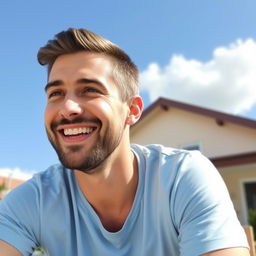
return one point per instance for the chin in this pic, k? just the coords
(86, 164)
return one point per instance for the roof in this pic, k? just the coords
(240, 159)
(220, 117)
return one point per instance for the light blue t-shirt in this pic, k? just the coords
(181, 207)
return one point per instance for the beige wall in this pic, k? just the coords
(178, 128)
(234, 178)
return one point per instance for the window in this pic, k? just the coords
(192, 147)
(249, 202)
(250, 194)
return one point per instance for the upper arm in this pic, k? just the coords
(229, 252)
(8, 250)
(19, 225)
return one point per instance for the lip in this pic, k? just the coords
(77, 125)
(79, 138)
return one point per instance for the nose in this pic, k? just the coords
(71, 108)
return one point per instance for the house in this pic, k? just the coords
(228, 141)
(10, 179)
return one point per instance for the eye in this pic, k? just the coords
(54, 94)
(91, 90)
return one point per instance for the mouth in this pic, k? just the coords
(77, 131)
(76, 134)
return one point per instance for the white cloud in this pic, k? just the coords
(16, 173)
(226, 83)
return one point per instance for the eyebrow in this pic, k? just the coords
(91, 81)
(79, 81)
(52, 84)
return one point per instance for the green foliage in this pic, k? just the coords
(2, 187)
(252, 220)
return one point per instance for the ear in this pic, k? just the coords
(135, 110)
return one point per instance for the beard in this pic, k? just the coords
(94, 157)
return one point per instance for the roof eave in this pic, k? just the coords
(220, 117)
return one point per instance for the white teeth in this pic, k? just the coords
(77, 131)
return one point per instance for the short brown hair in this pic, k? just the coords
(74, 40)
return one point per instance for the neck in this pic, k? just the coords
(111, 189)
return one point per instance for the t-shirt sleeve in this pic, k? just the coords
(19, 218)
(202, 210)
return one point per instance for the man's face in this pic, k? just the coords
(84, 117)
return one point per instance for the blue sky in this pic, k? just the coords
(186, 50)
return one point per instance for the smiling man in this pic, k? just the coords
(85, 117)
(108, 197)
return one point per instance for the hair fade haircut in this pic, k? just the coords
(73, 40)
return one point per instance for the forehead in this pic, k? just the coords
(80, 64)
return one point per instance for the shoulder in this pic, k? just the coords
(47, 181)
(175, 171)
(29, 200)
(180, 167)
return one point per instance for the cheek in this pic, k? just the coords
(101, 109)
(111, 110)
(48, 115)
(105, 107)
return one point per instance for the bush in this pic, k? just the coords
(252, 220)
(2, 187)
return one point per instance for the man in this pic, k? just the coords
(108, 197)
